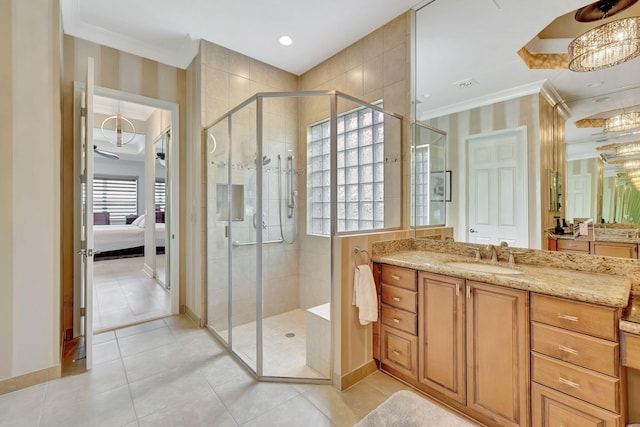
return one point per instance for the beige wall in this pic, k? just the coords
(30, 190)
(127, 73)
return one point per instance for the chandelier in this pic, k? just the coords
(621, 122)
(608, 44)
(631, 164)
(118, 127)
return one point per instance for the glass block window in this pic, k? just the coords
(420, 184)
(117, 196)
(360, 172)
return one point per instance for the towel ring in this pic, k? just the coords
(357, 251)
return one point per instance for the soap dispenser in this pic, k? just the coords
(558, 229)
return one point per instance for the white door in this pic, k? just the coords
(579, 196)
(86, 229)
(497, 188)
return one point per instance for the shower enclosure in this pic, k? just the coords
(286, 174)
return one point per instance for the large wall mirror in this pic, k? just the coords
(494, 76)
(603, 162)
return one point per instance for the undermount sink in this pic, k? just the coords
(483, 268)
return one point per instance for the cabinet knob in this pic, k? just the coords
(395, 277)
(396, 320)
(396, 299)
(395, 352)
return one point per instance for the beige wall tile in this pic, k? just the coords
(373, 73)
(394, 64)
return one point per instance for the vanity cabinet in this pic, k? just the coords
(473, 346)
(575, 364)
(586, 247)
(398, 320)
(573, 246)
(620, 250)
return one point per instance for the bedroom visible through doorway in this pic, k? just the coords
(131, 144)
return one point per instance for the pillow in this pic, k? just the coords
(139, 221)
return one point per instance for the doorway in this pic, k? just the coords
(497, 188)
(134, 207)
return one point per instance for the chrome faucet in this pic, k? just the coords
(494, 253)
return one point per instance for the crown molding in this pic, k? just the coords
(178, 54)
(481, 101)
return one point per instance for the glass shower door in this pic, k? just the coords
(218, 220)
(245, 227)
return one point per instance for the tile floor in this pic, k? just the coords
(123, 294)
(283, 356)
(168, 372)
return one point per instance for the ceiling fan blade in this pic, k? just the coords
(107, 154)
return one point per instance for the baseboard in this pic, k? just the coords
(191, 315)
(148, 270)
(27, 380)
(358, 374)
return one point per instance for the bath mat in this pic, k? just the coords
(406, 409)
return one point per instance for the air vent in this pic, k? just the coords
(466, 83)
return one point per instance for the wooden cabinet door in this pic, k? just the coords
(552, 409)
(497, 353)
(441, 338)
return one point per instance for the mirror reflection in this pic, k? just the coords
(516, 117)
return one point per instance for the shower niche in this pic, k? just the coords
(222, 202)
(328, 167)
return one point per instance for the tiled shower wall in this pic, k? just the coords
(227, 79)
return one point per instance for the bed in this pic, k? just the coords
(115, 241)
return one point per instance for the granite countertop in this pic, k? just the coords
(631, 318)
(597, 288)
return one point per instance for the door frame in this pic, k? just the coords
(173, 194)
(463, 187)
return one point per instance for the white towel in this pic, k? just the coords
(365, 296)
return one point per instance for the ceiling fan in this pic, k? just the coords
(107, 154)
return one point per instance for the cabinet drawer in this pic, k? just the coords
(573, 245)
(589, 352)
(631, 350)
(582, 317)
(551, 408)
(400, 351)
(601, 390)
(399, 319)
(399, 298)
(620, 250)
(399, 276)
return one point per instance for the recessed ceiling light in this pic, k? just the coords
(285, 41)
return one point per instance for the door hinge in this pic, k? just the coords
(83, 311)
(83, 111)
